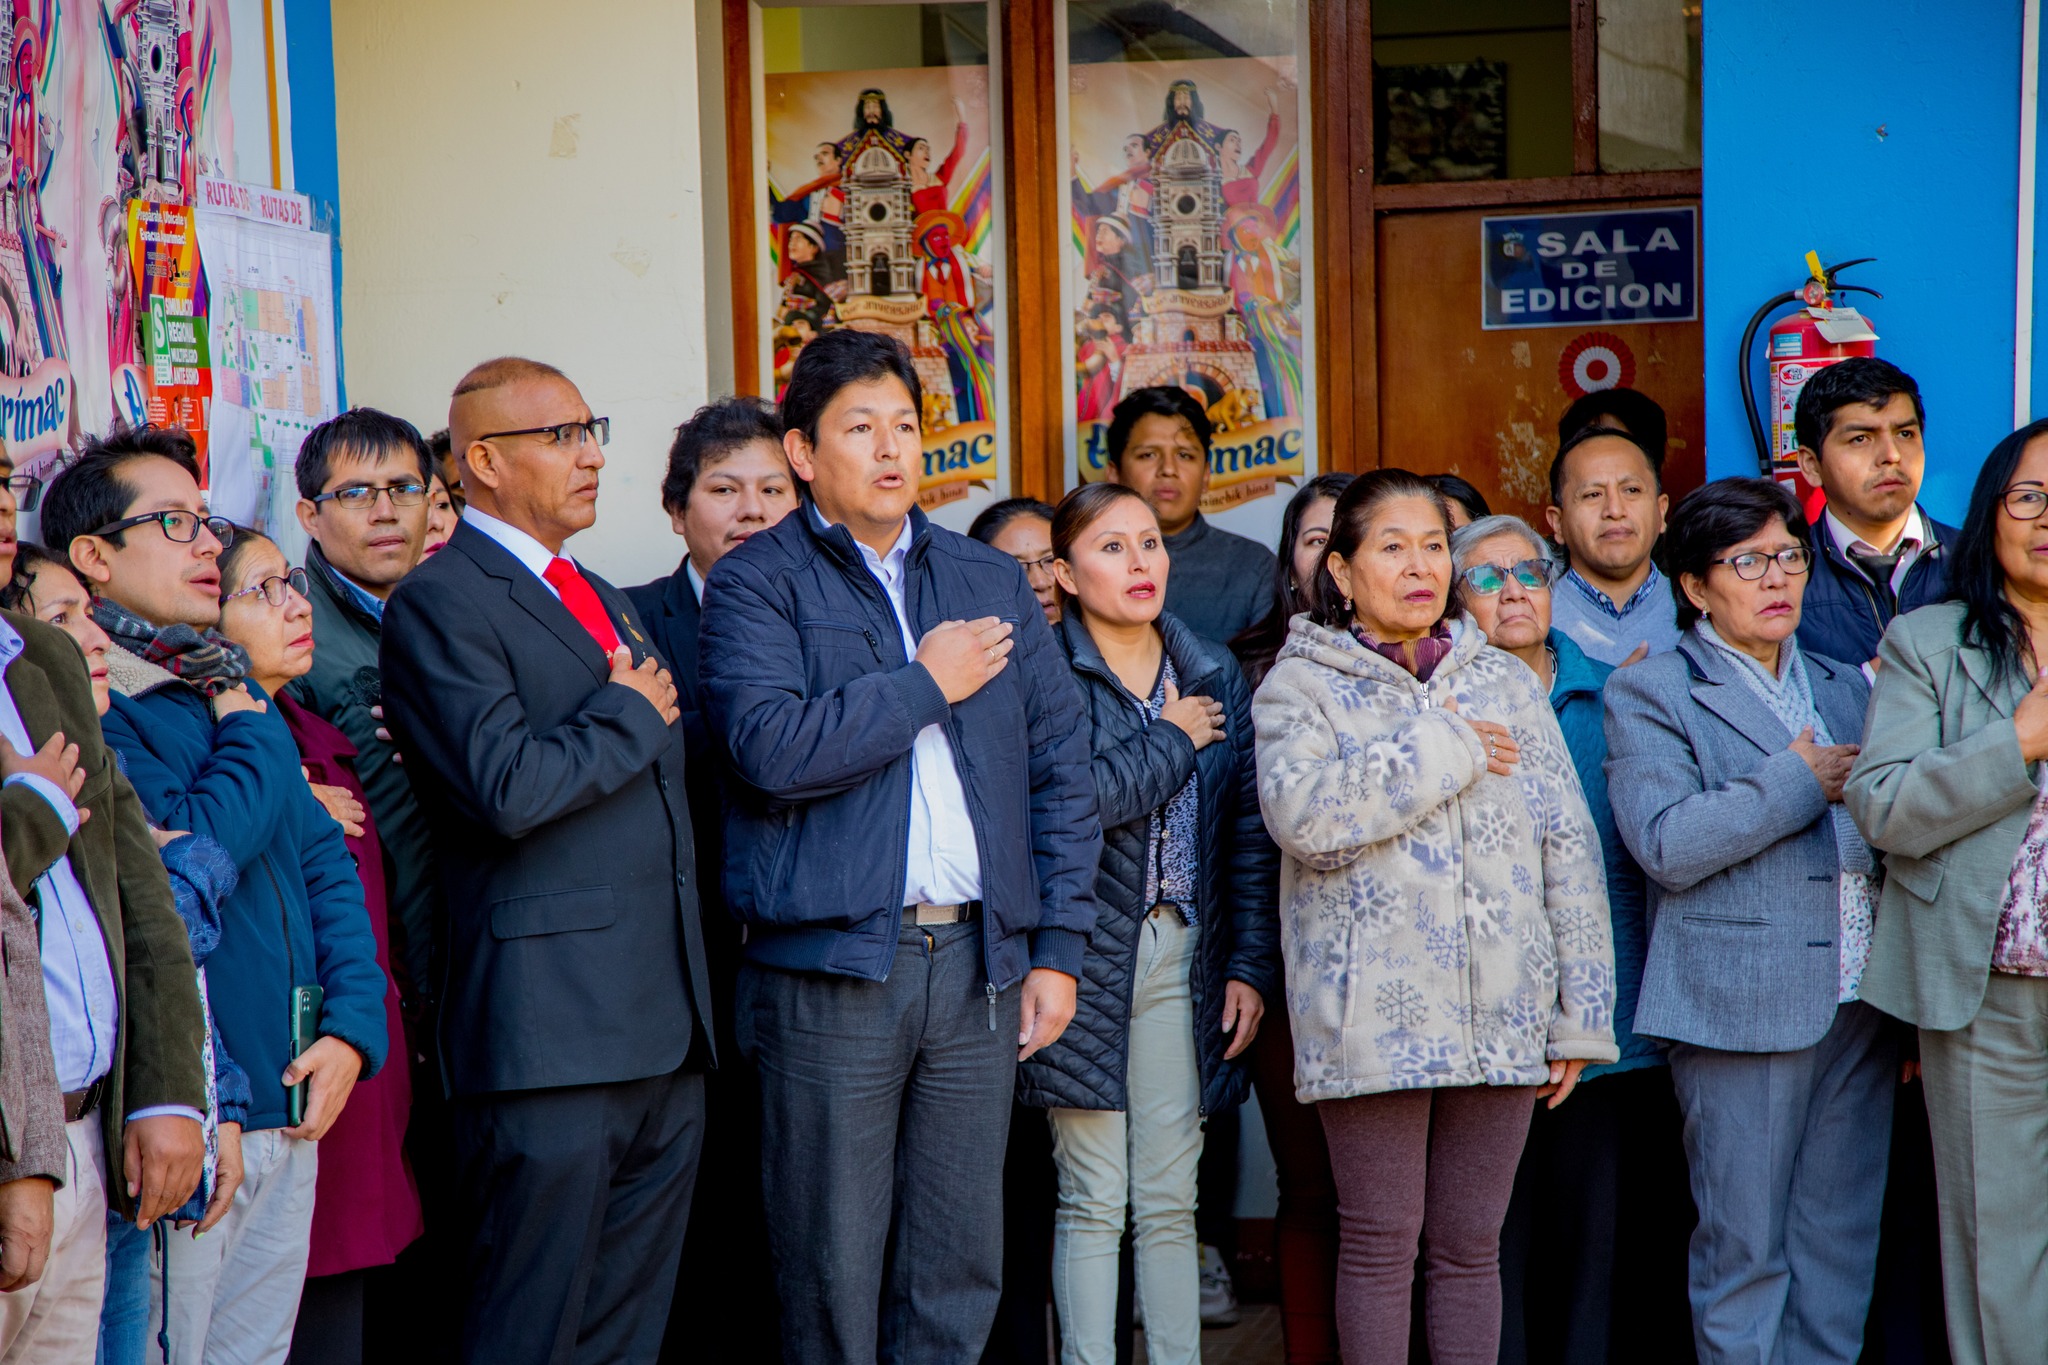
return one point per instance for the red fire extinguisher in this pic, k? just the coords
(1800, 345)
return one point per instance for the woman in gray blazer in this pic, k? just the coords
(1949, 787)
(1726, 759)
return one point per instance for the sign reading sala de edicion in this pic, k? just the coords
(1575, 269)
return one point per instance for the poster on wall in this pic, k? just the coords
(880, 216)
(1188, 247)
(177, 380)
(109, 104)
(269, 280)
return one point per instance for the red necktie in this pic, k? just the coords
(581, 600)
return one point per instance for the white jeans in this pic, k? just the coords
(1144, 1161)
(58, 1317)
(235, 1292)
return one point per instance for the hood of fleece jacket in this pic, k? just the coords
(1340, 649)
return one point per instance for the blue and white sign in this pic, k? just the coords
(1576, 269)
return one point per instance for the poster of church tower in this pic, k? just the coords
(1188, 236)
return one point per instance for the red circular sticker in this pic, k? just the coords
(1595, 361)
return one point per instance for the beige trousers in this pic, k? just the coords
(58, 1317)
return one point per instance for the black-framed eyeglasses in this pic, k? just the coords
(361, 497)
(2025, 503)
(180, 527)
(1488, 579)
(27, 490)
(1041, 565)
(1793, 559)
(598, 429)
(273, 588)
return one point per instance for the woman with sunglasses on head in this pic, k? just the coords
(1726, 763)
(1568, 1238)
(1952, 787)
(366, 1208)
(1442, 915)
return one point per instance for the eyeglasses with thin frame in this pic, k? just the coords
(1042, 565)
(27, 490)
(1793, 559)
(181, 528)
(2025, 502)
(361, 497)
(598, 429)
(1488, 579)
(273, 588)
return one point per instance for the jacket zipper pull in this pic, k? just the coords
(991, 988)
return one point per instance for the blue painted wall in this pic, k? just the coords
(1886, 128)
(316, 162)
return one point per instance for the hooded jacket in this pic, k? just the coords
(1138, 768)
(1441, 925)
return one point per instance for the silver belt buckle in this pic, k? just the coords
(924, 912)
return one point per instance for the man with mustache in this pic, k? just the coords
(912, 844)
(540, 732)
(1876, 554)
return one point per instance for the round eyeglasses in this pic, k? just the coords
(180, 527)
(273, 588)
(1793, 559)
(361, 497)
(1488, 579)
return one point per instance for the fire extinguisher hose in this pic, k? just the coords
(1742, 371)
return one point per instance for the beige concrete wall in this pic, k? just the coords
(520, 177)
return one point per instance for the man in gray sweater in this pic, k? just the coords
(1219, 583)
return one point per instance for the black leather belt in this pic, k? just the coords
(924, 914)
(79, 1103)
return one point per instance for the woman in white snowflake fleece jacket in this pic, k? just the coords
(1443, 916)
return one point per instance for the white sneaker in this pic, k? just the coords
(1219, 1297)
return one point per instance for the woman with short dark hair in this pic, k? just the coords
(1443, 916)
(1726, 759)
(1952, 787)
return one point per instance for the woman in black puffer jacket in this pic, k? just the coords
(1186, 949)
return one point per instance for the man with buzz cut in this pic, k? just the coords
(541, 732)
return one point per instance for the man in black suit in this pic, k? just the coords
(540, 730)
(727, 479)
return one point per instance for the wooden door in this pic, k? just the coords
(1455, 398)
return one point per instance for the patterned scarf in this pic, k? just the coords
(207, 659)
(1790, 697)
(1431, 650)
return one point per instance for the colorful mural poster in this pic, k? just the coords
(1188, 241)
(178, 378)
(108, 103)
(880, 216)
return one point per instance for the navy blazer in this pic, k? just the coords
(562, 829)
(1733, 832)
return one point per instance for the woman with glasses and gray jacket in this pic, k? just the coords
(1726, 761)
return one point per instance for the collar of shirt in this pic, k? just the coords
(1650, 585)
(360, 596)
(515, 542)
(696, 580)
(888, 567)
(1911, 545)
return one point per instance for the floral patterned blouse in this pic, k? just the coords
(1171, 859)
(2021, 944)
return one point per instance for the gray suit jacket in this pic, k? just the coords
(1731, 828)
(1940, 788)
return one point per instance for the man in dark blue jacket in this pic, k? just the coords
(1876, 553)
(206, 754)
(913, 852)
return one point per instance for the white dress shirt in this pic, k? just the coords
(943, 865)
(521, 546)
(696, 579)
(78, 972)
(1912, 543)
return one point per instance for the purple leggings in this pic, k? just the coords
(1428, 1168)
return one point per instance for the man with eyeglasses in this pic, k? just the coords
(542, 734)
(101, 1118)
(206, 754)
